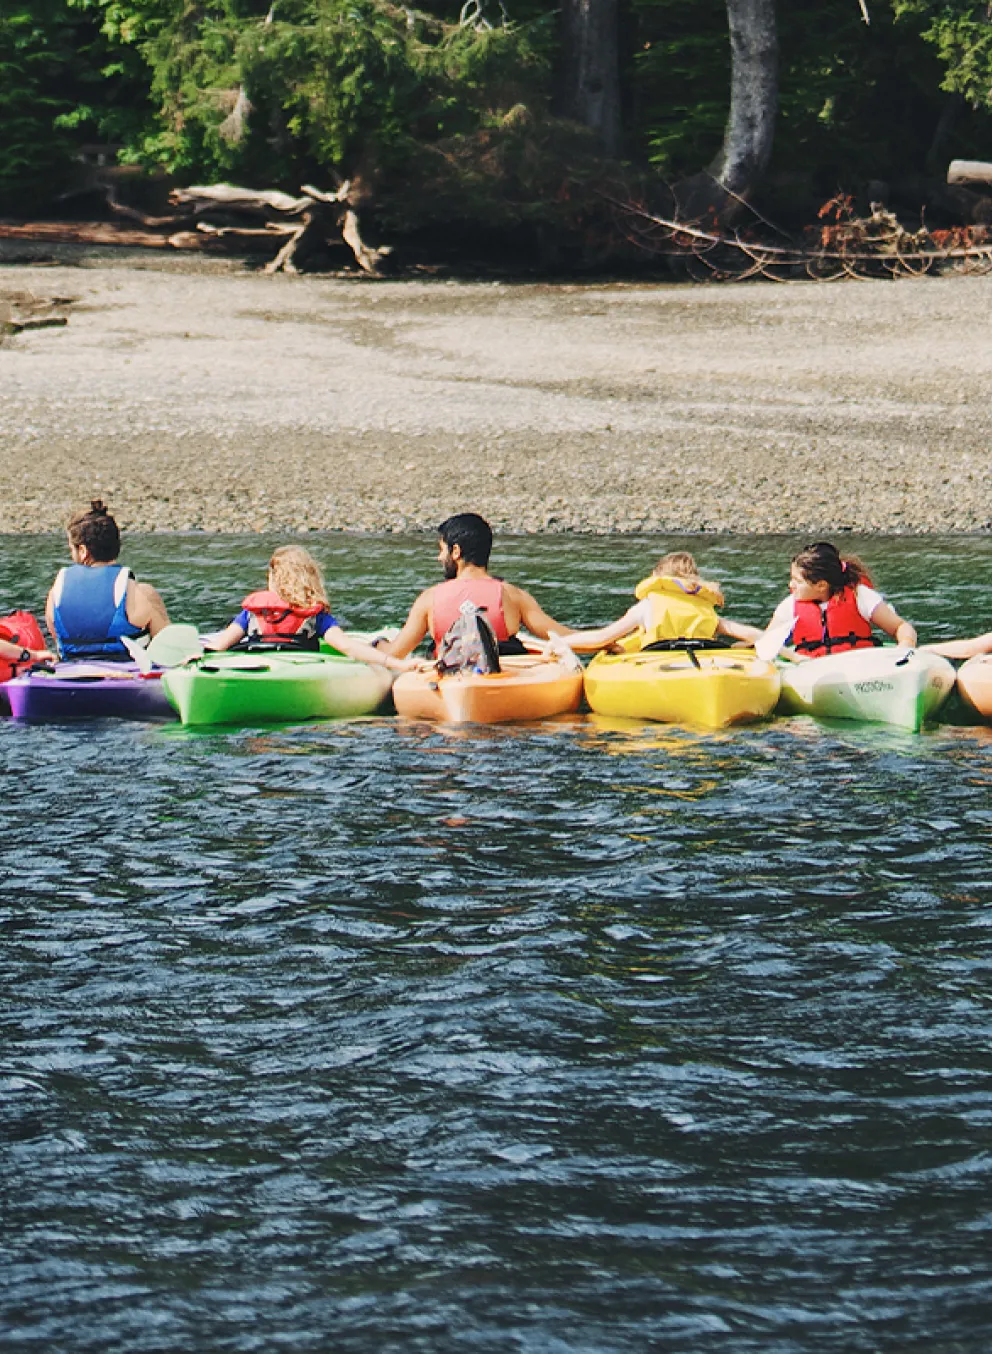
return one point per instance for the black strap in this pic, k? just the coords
(685, 645)
(830, 642)
(277, 643)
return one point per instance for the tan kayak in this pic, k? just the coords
(975, 684)
(528, 687)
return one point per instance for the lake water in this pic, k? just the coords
(575, 1037)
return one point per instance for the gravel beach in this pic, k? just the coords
(201, 395)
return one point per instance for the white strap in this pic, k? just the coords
(120, 584)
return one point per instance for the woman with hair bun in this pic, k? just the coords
(831, 608)
(95, 602)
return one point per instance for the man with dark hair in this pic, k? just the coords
(464, 544)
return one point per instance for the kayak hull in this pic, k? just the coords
(727, 687)
(901, 687)
(88, 690)
(527, 687)
(975, 684)
(279, 687)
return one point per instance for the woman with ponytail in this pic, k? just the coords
(831, 608)
(95, 602)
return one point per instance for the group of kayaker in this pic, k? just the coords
(96, 603)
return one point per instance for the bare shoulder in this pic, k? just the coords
(515, 593)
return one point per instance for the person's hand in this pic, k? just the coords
(42, 656)
(558, 645)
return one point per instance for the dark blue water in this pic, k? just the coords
(580, 1037)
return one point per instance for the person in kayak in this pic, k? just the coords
(21, 644)
(831, 608)
(673, 603)
(465, 543)
(95, 602)
(295, 606)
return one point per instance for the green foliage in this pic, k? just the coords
(447, 117)
(679, 81)
(59, 84)
(961, 32)
(309, 85)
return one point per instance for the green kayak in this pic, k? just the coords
(281, 686)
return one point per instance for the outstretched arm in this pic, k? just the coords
(225, 639)
(367, 653)
(889, 620)
(588, 641)
(415, 627)
(962, 648)
(535, 620)
(739, 630)
(12, 652)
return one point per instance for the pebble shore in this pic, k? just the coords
(204, 396)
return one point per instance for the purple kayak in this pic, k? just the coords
(88, 690)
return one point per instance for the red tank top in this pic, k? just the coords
(486, 593)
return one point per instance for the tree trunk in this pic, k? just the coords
(590, 80)
(717, 193)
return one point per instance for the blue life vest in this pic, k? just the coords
(89, 610)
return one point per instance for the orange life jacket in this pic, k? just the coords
(833, 628)
(20, 628)
(274, 616)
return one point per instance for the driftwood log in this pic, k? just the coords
(970, 171)
(96, 232)
(313, 216)
(223, 210)
(23, 310)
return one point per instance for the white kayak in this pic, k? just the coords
(889, 685)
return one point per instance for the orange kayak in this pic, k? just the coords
(975, 684)
(526, 688)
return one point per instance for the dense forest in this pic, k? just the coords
(470, 125)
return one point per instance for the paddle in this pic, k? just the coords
(174, 644)
(772, 640)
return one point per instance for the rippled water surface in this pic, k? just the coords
(582, 1036)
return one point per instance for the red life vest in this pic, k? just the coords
(20, 628)
(274, 616)
(833, 628)
(485, 593)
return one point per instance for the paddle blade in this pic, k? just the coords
(138, 649)
(174, 645)
(772, 640)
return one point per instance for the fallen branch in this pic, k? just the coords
(214, 210)
(21, 310)
(95, 232)
(849, 247)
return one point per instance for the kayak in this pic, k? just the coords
(281, 686)
(86, 689)
(526, 687)
(975, 684)
(709, 687)
(889, 685)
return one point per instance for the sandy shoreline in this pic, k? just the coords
(218, 399)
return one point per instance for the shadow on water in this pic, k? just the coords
(589, 1035)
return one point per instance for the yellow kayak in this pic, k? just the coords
(526, 688)
(712, 688)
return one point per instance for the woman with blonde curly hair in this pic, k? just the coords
(295, 607)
